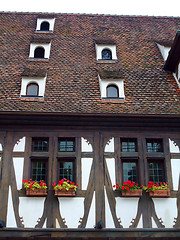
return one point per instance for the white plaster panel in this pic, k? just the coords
(110, 146)
(154, 225)
(46, 46)
(11, 221)
(31, 209)
(175, 165)
(86, 164)
(91, 217)
(57, 224)
(27, 80)
(103, 83)
(101, 47)
(20, 145)
(140, 224)
(72, 209)
(45, 223)
(18, 167)
(51, 22)
(126, 210)
(164, 51)
(111, 168)
(108, 214)
(85, 146)
(166, 209)
(1, 147)
(173, 147)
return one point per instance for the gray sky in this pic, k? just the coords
(119, 7)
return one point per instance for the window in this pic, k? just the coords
(40, 144)
(106, 54)
(66, 169)
(39, 52)
(32, 89)
(156, 171)
(128, 145)
(66, 145)
(154, 145)
(44, 26)
(112, 91)
(129, 171)
(39, 170)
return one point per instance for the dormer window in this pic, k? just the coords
(32, 89)
(111, 85)
(39, 52)
(45, 24)
(105, 50)
(106, 54)
(112, 91)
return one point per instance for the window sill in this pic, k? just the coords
(38, 59)
(107, 61)
(32, 99)
(113, 100)
(39, 31)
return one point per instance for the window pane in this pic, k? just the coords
(39, 52)
(129, 171)
(66, 145)
(38, 170)
(40, 144)
(154, 145)
(156, 172)
(112, 91)
(32, 90)
(128, 145)
(44, 26)
(106, 54)
(66, 170)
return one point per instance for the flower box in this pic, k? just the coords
(36, 192)
(160, 193)
(64, 193)
(132, 193)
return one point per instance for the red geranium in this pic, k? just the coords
(127, 186)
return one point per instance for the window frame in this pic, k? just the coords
(39, 47)
(40, 159)
(67, 159)
(130, 160)
(46, 30)
(30, 84)
(129, 140)
(42, 138)
(162, 162)
(109, 51)
(66, 140)
(117, 89)
(154, 140)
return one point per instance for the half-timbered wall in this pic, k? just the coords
(98, 166)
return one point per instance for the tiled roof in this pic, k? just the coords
(72, 84)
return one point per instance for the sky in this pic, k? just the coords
(117, 7)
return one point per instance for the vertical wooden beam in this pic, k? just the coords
(141, 161)
(118, 162)
(167, 162)
(27, 162)
(6, 175)
(99, 178)
(78, 162)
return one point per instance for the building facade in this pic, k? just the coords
(94, 99)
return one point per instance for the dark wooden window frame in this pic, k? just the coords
(40, 138)
(107, 59)
(66, 139)
(40, 159)
(67, 159)
(155, 140)
(130, 160)
(32, 95)
(129, 140)
(160, 161)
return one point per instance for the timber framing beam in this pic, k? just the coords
(105, 234)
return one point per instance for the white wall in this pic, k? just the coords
(91, 217)
(20, 145)
(72, 209)
(11, 221)
(49, 20)
(31, 209)
(46, 46)
(108, 214)
(85, 146)
(110, 146)
(111, 169)
(86, 164)
(164, 51)
(100, 47)
(18, 167)
(27, 80)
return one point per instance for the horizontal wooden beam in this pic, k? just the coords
(104, 234)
